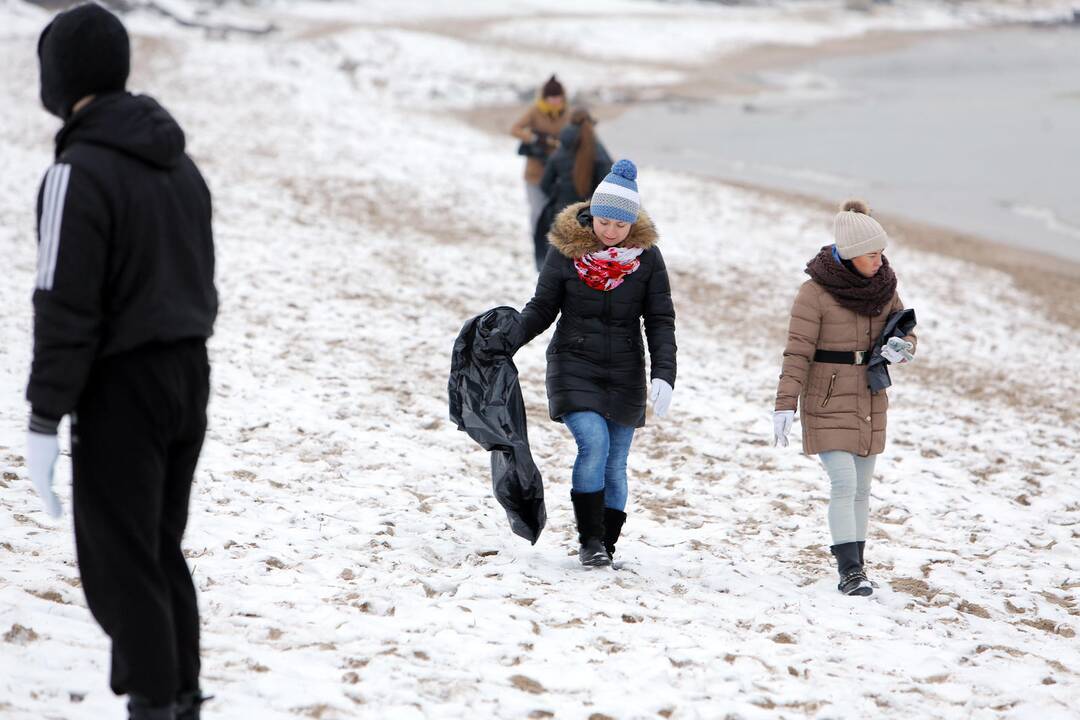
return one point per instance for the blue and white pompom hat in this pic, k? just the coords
(616, 198)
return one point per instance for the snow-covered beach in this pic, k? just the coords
(349, 557)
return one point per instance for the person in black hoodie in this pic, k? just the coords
(571, 174)
(123, 305)
(605, 276)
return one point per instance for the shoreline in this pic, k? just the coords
(1053, 280)
(723, 75)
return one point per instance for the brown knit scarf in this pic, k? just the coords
(866, 296)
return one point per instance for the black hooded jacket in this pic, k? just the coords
(596, 359)
(558, 179)
(125, 248)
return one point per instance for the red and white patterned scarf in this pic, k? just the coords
(607, 268)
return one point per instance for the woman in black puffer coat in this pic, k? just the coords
(605, 277)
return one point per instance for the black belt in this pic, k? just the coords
(859, 357)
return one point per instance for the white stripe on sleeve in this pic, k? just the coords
(52, 213)
(43, 225)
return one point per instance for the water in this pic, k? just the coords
(977, 132)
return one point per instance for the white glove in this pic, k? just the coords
(782, 421)
(41, 453)
(660, 396)
(898, 350)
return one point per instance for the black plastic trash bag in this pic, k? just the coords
(485, 402)
(899, 324)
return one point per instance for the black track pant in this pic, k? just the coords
(136, 437)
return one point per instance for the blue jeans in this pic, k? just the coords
(603, 447)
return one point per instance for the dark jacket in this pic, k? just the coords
(125, 249)
(596, 359)
(900, 324)
(558, 179)
(486, 403)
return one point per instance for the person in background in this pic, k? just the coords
(603, 277)
(123, 305)
(538, 130)
(571, 174)
(838, 315)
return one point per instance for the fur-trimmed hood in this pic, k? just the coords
(575, 240)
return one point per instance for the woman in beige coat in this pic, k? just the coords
(538, 130)
(837, 317)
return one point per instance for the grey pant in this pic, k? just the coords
(537, 200)
(849, 497)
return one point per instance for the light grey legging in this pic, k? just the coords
(537, 200)
(849, 497)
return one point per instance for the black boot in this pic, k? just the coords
(852, 579)
(188, 704)
(613, 522)
(139, 708)
(862, 546)
(589, 513)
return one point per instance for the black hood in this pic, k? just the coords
(83, 51)
(569, 136)
(133, 124)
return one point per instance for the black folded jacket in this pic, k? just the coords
(900, 324)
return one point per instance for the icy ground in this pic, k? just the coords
(349, 557)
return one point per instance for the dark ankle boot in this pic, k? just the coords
(862, 561)
(852, 579)
(139, 708)
(613, 522)
(188, 704)
(589, 513)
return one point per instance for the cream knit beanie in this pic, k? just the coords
(856, 232)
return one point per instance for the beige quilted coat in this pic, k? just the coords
(838, 412)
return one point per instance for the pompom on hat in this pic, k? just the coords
(616, 197)
(855, 232)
